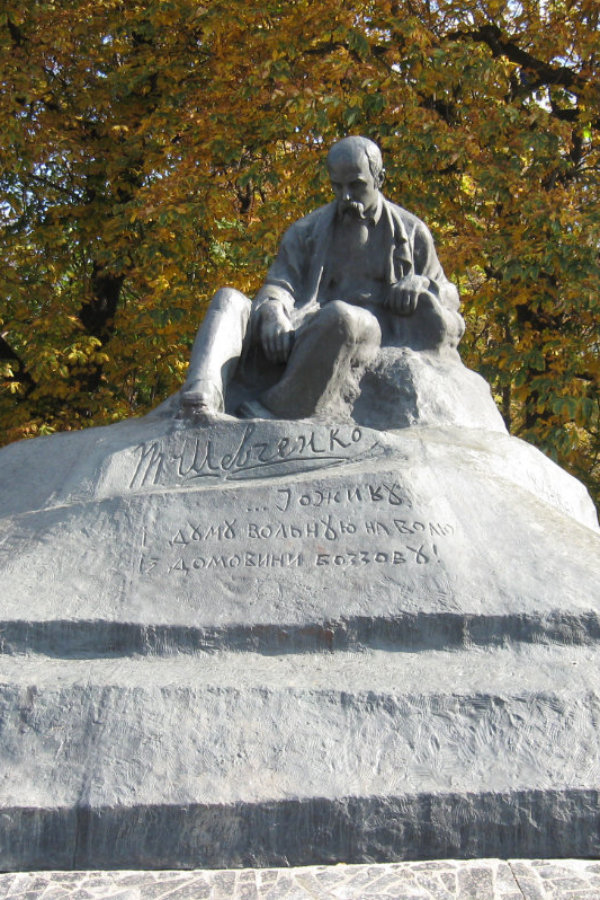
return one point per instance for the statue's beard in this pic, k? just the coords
(354, 225)
(353, 211)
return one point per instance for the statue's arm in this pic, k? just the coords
(275, 301)
(441, 295)
(428, 288)
(427, 264)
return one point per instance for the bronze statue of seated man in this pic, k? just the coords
(351, 277)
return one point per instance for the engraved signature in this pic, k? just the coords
(201, 457)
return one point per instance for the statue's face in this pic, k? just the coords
(356, 190)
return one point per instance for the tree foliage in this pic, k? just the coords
(153, 151)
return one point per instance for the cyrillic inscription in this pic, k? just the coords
(334, 526)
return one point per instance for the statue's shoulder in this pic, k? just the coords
(312, 224)
(409, 221)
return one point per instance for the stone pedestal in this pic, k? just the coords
(265, 643)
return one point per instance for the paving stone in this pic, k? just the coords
(224, 880)
(431, 865)
(438, 884)
(196, 890)
(505, 884)
(489, 879)
(531, 887)
(594, 867)
(449, 881)
(309, 882)
(285, 886)
(475, 882)
(10, 885)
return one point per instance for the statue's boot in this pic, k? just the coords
(215, 354)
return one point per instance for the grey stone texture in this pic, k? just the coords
(483, 879)
(285, 643)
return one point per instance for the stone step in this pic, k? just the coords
(249, 759)
(67, 638)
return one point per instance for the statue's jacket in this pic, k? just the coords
(294, 278)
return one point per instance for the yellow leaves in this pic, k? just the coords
(61, 390)
(161, 283)
(15, 15)
(82, 354)
(75, 356)
(189, 135)
(467, 184)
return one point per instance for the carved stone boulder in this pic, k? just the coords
(266, 642)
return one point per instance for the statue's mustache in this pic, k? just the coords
(353, 208)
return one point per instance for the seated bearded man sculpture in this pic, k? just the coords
(350, 278)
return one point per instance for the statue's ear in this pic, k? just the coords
(381, 178)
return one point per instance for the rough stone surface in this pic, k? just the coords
(404, 387)
(484, 879)
(267, 643)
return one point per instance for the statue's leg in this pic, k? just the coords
(329, 354)
(216, 351)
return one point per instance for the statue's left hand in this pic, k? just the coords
(404, 295)
(275, 332)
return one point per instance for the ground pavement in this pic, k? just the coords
(512, 879)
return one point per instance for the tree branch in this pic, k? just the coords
(491, 35)
(15, 32)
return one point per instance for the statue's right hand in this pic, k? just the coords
(275, 332)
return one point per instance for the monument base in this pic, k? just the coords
(266, 643)
(246, 759)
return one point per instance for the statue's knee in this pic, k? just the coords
(371, 329)
(228, 299)
(335, 322)
(353, 324)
